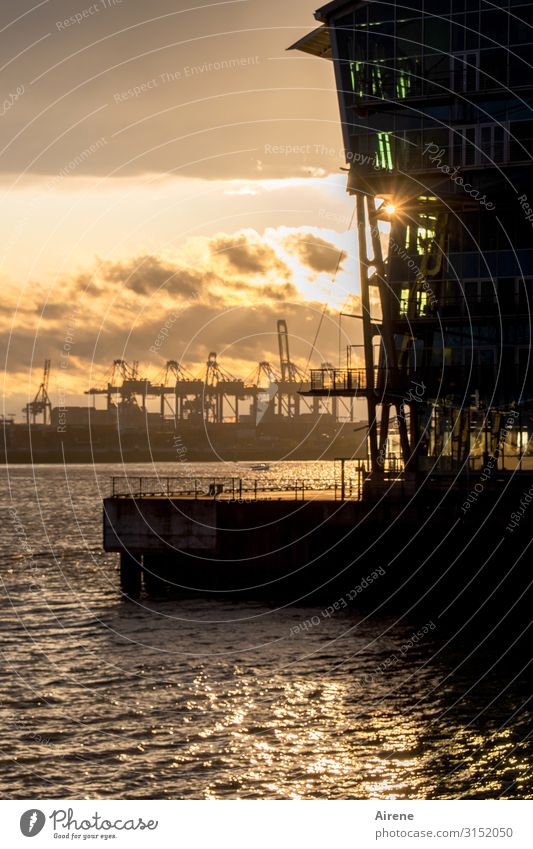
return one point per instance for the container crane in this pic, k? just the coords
(41, 404)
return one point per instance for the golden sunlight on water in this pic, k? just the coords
(199, 699)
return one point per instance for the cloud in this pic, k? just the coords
(223, 293)
(147, 274)
(285, 292)
(315, 252)
(246, 254)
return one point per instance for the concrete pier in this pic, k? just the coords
(430, 539)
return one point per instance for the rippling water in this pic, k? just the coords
(102, 698)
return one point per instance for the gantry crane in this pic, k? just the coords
(263, 376)
(187, 390)
(292, 378)
(41, 404)
(220, 388)
(266, 380)
(128, 390)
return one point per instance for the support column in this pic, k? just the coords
(296, 405)
(404, 438)
(415, 437)
(130, 574)
(391, 383)
(368, 333)
(384, 430)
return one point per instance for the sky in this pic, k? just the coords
(172, 165)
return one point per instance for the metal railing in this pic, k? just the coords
(338, 380)
(433, 378)
(241, 489)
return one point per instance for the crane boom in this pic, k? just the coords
(284, 354)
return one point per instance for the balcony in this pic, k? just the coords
(337, 382)
(436, 381)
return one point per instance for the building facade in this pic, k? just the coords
(436, 102)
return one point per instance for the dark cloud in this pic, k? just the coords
(86, 285)
(283, 292)
(148, 274)
(316, 253)
(53, 311)
(243, 335)
(248, 256)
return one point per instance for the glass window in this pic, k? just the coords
(408, 35)
(492, 142)
(439, 7)
(380, 12)
(440, 138)
(521, 26)
(404, 301)
(525, 293)
(489, 233)
(465, 71)
(426, 232)
(463, 145)
(472, 30)
(358, 78)
(403, 79)
(493, 67)
(458, 32)
(507, 289)
(521, 66)
(436, 73)
(479, 144)
(494, 25)
(521, 141)
(436, 34)
(384, 152)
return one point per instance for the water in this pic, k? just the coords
(102, 698)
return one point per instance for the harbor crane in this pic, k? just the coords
(41, 404)
(292, 378)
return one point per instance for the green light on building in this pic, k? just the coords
(356, 76)
(384, 158)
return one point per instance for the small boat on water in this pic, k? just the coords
(260, 467)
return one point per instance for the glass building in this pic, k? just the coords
(436, 107)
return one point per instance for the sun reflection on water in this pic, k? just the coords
(196, 699)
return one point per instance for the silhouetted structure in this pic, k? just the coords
(41, 405)
(435, 101)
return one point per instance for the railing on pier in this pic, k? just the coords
(242, 488)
